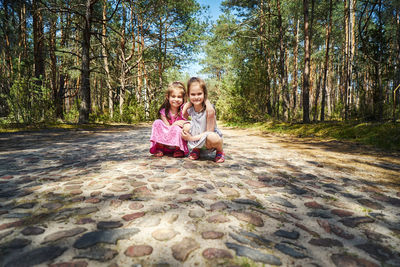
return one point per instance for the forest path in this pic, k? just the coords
(98, 198)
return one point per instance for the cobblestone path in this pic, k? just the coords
(97, 198)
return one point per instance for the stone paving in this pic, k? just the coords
(97, 198)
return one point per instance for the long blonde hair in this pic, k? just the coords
(177, 85)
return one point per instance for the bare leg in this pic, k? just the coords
(214, 141)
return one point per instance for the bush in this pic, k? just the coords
(29, 102)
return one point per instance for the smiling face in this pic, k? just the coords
(196, 95)
(175, 98)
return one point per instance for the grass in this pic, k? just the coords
(380, 135)
(13, 127)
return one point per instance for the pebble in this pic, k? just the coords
(218, 206)
(133, 216)
(281, 201)
(138, 251)
(376, 251)
(342, 213)
(97, 253)
(136, 206)
(108, 225)
(197, 213)
(313, 205)
(69, 264)
(286, 234)
(219, 218)
(292, 250)
(164, 234)
(35, 256)
(253, 254)
(247, 202)
(63, 234)
(249, 218)
(325, 242)
(15, 243)
(229, 192)
(181, 250)
(216, 253)
(370, 204)
(341, 260)
(355, 221)
(32, 230)
(212, 235)
(105, 236)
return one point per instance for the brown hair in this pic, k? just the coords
(202, 85)
(171, 87)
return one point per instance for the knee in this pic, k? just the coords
(186, 127)
(214, 138)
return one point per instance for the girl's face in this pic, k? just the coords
(196, 94)
(175, 98)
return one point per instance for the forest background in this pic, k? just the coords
(82, 61)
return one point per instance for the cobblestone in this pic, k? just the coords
(98, 198)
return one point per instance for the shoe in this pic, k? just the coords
(159, 154)
(178, 154)
(219, 157)
(195, 154)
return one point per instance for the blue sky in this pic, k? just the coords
(214, 11)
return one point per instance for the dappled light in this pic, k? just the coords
(98, 198)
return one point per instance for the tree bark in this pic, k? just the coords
(85, 105)
(22, 35)
(306, 72)
(326, 63)
(38, 42)
(396, 94)
(295, 70)
(123, 63)
(53, 66)
(105, 61)
(346, 78)
(282, 73)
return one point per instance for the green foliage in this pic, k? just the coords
(72, 115)
(133, 113)
(29, 102)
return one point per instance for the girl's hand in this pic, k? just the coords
(186, 136)
(179, 123)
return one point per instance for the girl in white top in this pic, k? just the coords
(202, 130)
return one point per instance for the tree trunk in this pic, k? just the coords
(295, 70)
(123, 64)
(22, 35)
(396, 94)
(317, 92)
(105, 61)
(352, 50)
(326, 63)
(53, 66)
(139, 88)
(282, 78)
(8, 50)
(346, 78)
(85, 105)
(306, 73)
(38, 42)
